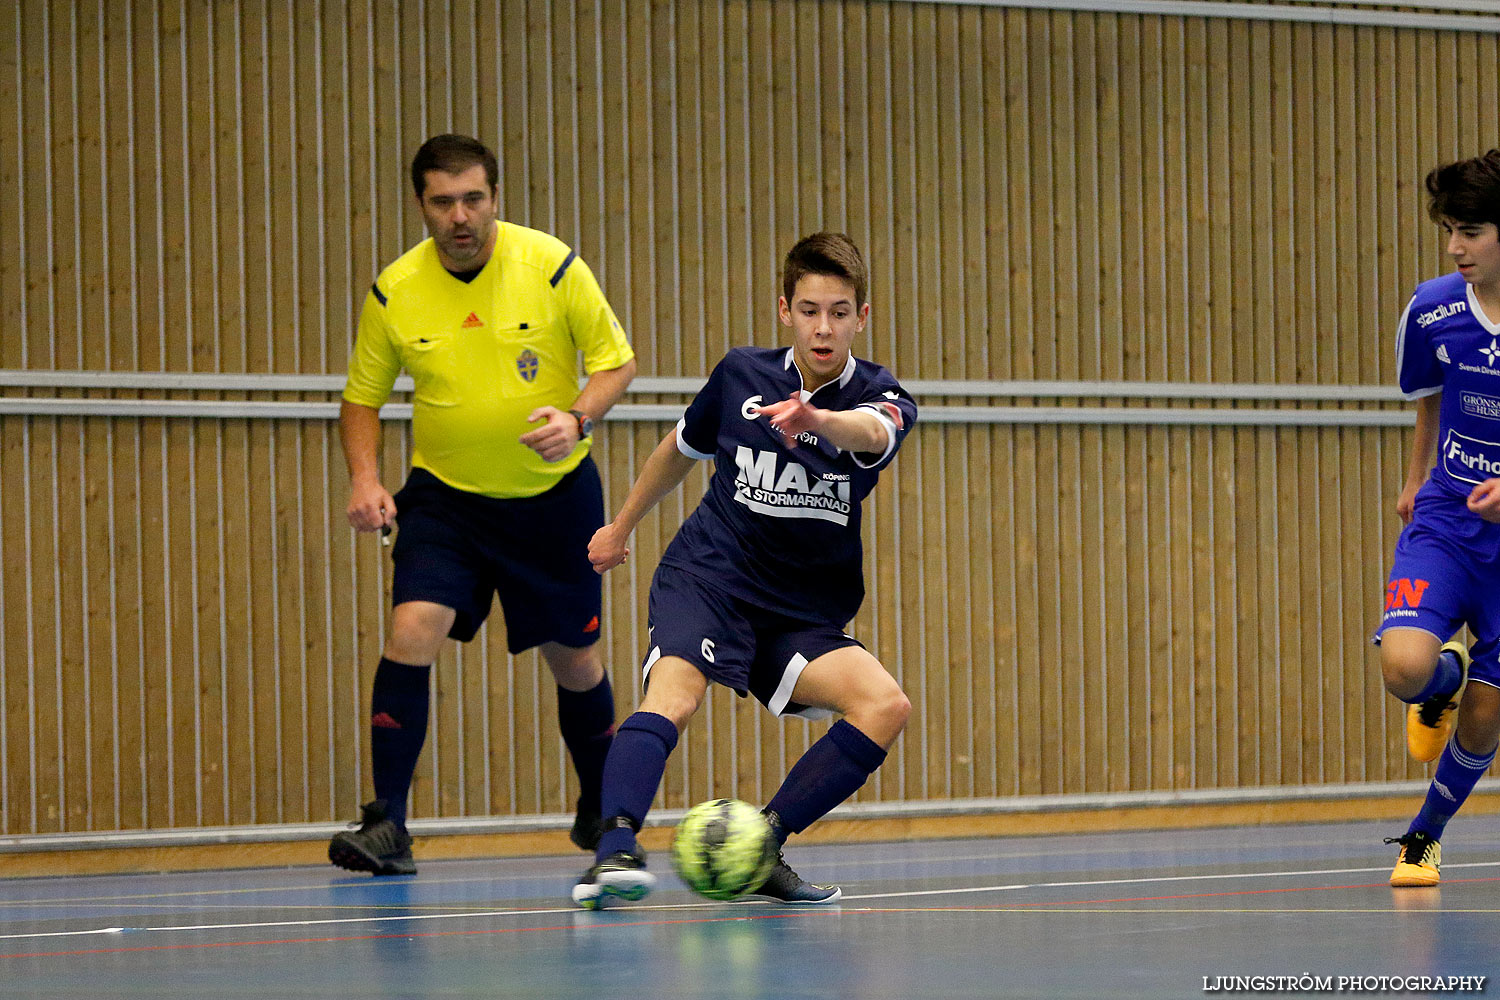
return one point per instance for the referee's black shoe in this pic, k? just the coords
(379, 846)
(588, 827)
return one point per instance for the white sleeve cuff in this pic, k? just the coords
(890, 436)
(686, 448)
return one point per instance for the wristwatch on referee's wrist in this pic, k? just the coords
(585, 423)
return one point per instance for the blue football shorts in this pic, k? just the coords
(459, 549)
(1446, 574)
(734, 643)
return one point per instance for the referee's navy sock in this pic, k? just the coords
(398, 727)
(1457, 773)
(632, 773)
(832, 770)
(1446, 677)
(587, 721)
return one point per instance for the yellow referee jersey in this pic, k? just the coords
(484, 354)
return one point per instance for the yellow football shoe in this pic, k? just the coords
(1430, 724)
(1418, 862)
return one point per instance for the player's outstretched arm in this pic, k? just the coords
(1423, 448)
(370, 505)
(851, 430)
(663, 471)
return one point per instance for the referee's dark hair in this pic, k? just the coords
(1466, 191)
(825, 253)
(452, 154)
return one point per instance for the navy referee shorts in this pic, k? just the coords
(458, 549)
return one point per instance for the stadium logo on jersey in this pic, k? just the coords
(1404, 593)
(527, 364)
(1477, 404)
(1470, 460)
(789, 494)
(1442, 354)
(1491, 353)
(1443, 311)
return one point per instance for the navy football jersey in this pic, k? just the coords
(1446, 344)
(779, 526)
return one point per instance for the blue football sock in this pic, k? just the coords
(833, 769)
(398, 727)
(1446, 677)
(587, 722)
(1457, 773)
(632, 773)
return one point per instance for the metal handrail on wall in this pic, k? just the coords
(1324, 412)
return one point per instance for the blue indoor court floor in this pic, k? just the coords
(1140, 914)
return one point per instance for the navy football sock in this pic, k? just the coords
(1457, 773)
(1446, 677)
(632, 773)
(398, 727)
(833, 769)
(587, 722)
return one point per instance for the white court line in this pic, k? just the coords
(1147, 881)
(295, 923)
(363, 920)
(350, 884)
(96, 930)
(694, 906)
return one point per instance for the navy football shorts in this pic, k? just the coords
(734, 643)
(1446, 573)
(459, 549)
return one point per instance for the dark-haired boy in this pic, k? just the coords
(488, 318)
(754, 591)
(1446, 571)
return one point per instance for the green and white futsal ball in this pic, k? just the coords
(723, 849)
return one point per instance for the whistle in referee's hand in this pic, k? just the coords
(385, 534)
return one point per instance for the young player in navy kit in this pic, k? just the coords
(1446, 571)
(755, 589)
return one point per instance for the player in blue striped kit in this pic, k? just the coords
(1446, 571)
(755, 589)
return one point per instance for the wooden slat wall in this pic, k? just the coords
(189, 629)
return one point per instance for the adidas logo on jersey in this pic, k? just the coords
(1442, 354)
(471, 322)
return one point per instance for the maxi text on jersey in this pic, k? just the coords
(789, 494)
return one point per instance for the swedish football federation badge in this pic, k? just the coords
(527, 364)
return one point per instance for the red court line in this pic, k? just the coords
(709, 920)
(422, 934)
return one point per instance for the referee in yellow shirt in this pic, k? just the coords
(489, 318)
